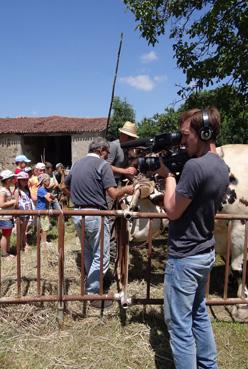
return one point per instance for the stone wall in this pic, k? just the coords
(10, 146)
(80, 144)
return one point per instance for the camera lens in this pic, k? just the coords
(149, 164)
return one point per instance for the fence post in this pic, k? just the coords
(124, 263)
(61, 239)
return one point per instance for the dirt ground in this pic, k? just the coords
(136, 338)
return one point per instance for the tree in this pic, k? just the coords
(233, 111)
(159, 123)
(122, 111)
(232, 107)
(210, 38)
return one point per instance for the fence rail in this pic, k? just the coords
(122, 269)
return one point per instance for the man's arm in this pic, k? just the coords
(130, 171)
(174, 203)
(115, 193)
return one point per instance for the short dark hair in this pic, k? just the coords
(98, 143)
(197, 120)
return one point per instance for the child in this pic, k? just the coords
(53, 187)
(21, 163)
(33, 181)
(25, 203)
(44, 198)
(8, 201)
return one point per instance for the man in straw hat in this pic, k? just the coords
(119, 164)
(117, 157)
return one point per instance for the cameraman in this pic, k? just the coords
(191, 205)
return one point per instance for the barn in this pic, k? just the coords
(55, 138)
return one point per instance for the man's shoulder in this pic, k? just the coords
(83, 161)
(115, 142)
(193, 164)
(209, 164)
(201, 161)
(93, 162)
(212, 159)
(115, 145)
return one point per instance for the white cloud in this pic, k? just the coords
(161, 78)
(149, 57)
(143, 81)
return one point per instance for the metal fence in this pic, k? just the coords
(122, 265)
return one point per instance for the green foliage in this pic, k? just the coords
(232, 106)
(122, 111)
(233, 110)
(210, 37)
(166, 122)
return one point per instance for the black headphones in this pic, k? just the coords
(206, 131)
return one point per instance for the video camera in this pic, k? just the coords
(173, 157)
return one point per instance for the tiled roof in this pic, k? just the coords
(53, 124)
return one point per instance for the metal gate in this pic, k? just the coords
(122, 265)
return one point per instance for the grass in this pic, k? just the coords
(30, 337)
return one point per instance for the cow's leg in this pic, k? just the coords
(238, 232)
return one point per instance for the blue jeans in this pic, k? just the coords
(191, 336)
(92, 249)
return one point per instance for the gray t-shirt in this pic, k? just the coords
(116, 157)
(88, 180)
(204, 180)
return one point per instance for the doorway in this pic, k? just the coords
(55, 149)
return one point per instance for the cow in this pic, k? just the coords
(147, 197)
(234, 202)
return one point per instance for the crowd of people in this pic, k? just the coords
(191, 204)
(28, 188)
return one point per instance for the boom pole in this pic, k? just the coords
(113, 86)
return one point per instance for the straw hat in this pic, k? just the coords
(129, 129)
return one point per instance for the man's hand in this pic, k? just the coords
(130, 171)
(163, 171)
(129, 190)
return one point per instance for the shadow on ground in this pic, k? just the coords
(159, 337)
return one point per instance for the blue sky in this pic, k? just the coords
(58, 58)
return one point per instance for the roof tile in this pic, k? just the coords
(52, 124)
